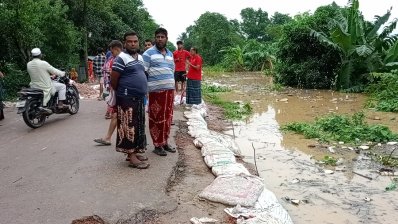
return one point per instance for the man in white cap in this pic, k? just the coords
(40, 73)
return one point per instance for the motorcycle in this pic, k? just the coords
(30, 103)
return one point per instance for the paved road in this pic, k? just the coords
(56, 173)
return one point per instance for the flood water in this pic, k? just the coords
(288, 165)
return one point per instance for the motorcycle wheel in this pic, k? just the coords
(32, 116)
(74, 102)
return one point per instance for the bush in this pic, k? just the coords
(342, 128)
(233, 111)
(384, 91)
(13, 81)
(303, 61)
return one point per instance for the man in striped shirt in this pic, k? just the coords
(159, 64)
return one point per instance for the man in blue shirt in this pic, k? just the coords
(129, 81)
(159, 64)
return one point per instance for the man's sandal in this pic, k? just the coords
(102, 141)
(140, 165)
(139, 157)
(169, 148)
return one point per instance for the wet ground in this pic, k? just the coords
(289, 166)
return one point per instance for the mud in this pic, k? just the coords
(353, 192)
(89, 220)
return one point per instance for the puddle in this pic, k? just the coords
(286, 162)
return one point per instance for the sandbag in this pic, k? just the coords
(234, 189)
(263, 218)
(197, 131)
(267, 202)
(225, 140)
(220, 159)
(178, 101)
(266, 210)
(197, 144)
(215, 148)
(230, 169)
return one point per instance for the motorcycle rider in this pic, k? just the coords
(40, 73)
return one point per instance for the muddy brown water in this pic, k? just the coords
(289, 166)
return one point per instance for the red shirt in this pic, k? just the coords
(180, 56)
(195, 74)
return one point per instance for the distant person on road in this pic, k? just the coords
(194, 91)
(106, 73)
(180, 57)
(98, 63)
(40, 73)
(73, 74)
(129, 81)
(160, 66)
(90, 70)
(1, 98)
(116, 48)
(148, 44)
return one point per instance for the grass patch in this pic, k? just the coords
(215, 89)
(232, 111)
(329, 160)
(349, 129)
(277, 87)
(215, 70)
(384, 91)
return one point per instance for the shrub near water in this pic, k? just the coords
(384, 91)
(342, 128)
(233, 111)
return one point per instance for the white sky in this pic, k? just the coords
(177, 15)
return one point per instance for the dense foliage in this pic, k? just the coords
(303, 61)
(232, 110)
(335, 128)
(383, 91)
(334, 47)
(63, 29)
(363, 49)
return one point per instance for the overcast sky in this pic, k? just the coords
(177, 15)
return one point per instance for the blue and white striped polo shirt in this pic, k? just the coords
(160, 69)
(132, 79)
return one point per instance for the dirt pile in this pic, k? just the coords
(87, 91)
(89, 220)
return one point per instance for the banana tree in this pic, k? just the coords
(359, 43)
(258, 56)
(233, 58)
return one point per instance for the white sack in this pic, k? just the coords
(233, 190)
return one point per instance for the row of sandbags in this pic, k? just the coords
(234, 185)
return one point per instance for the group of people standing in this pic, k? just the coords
(151, 77)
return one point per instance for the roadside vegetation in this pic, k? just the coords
(383, 91)
(340, 128)
(334, 47)
(232, 110)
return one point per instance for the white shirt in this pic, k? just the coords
(40, 72)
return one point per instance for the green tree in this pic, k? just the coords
(254, 24)
(302, 60)
(361, 48)
(26, 24)
(274, 30)
(171, 46)
(211, 33)
(108, 20)
(280, 18)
